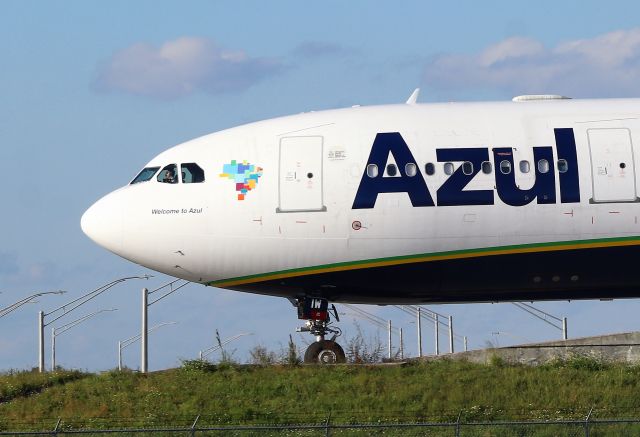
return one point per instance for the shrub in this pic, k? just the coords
(290, 356)
(198, 366)
(360, 351)
(496, 360)
(582, 362)
(261, 356)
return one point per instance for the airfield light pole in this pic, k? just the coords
(144, 352)
(420, 312)
(450, 334)
(557, 322)
(64, 328)
(389, 335)
(14, 306)
(437, 333)
(69, 307)
(378, 321)
(129, 341)
(144, 343)
(419, 324)
(203, 353)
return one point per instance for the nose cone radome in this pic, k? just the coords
(102, 222)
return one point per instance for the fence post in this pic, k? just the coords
(193, 426)
(586, 423)
(458, 424)
(327, 425)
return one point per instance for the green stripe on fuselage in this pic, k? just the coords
(435, 256)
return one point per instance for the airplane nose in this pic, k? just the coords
(102, 222)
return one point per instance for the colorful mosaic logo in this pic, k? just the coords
(245, 176)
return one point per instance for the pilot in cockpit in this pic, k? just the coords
(169, 177)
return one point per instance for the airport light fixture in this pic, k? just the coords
(14, 306)
(217, 347)
(379, 322)
(419, 313)
(68, 308)
(129, 341)
(172, 287)
(64, 328)
(557, 322)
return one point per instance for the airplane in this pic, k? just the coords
(530, 199)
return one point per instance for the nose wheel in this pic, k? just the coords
(318, 322)
(324, 352)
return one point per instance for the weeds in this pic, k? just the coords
(16, 384)
(198, 366)
(360, 350)
(291, 357)
(581, 362)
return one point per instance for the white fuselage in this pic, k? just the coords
(299, 205)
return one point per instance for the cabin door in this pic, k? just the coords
(300, 174)
(612, 165)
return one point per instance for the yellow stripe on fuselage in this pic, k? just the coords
(411, 259)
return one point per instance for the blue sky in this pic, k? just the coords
(91, 91)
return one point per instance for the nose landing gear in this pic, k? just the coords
(318, 322)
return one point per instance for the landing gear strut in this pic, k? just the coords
(318, 322)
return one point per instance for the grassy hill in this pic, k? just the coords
(232, 394)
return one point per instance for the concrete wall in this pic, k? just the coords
(622, 348)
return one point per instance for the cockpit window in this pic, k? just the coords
(145, 175)
(192, 173)
(168, 174)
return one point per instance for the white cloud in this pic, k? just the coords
(181, 67)
(605, 66)
(317, 49)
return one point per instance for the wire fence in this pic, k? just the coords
(587, 427)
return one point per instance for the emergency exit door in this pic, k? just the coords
(612, 165)
(300, 179)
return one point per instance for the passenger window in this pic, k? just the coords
(467, 168)
(563, 165)
(145, 175)
(524, 166)
(410, 169)
(192, 173)
(487, 168)
(392, 170)
(505, 167)
(448, 168)
(430, 169)
(543, 166)
(372, 170)
(168, 174)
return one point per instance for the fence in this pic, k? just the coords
(587, 427)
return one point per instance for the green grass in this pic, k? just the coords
(232, 394)
(16, 384)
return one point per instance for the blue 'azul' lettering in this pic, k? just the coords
(544, 187)
(452, 192)
(415, 186)
(569, 180)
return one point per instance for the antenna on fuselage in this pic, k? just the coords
(413, 98)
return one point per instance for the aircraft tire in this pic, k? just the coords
(324, 352)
